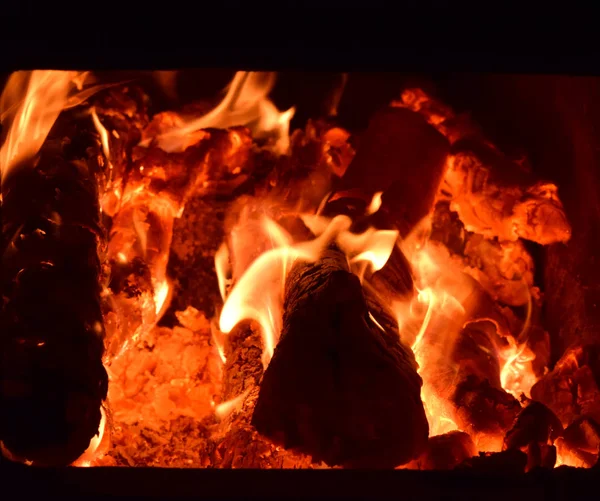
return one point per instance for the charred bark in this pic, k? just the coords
(580, 443)
(512, 461)
(445, 452)
(53, 381)
(534, 433)
(239, 445)
(404, 157)
(338, 388)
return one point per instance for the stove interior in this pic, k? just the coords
(199, 272)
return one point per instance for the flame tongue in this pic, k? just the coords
(245, 103)
(258, 292)
(30, 104)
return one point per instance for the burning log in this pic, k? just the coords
(534, 433)
(239, 445)
(580, 443)
(119, 115)
(511, 461)
(401, 155)
(484, 410)
(445, 452)
(359, 404)
(494, 195)
(504, 269)
(570, 389)
(51, 322)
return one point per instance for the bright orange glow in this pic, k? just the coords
(161, 294)
(258, 293)
(567, 456)
(224, 409)
(432, 320)
(222, 269)
(103, 135)
(30, 104)
(517, 376)
(98, 445)
(245, 103)
(375, 203)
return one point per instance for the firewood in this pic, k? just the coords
(445, 452)
(494, 195)
(534, 432)
(337, 388)
(51, 321)
(580, 442)
(239, 445)
(483, 408)
(404, 157)
(394, 281)
(511, 461)
(474, 353)
(570, 389)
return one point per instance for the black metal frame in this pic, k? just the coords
(332, 37)
(282, 485)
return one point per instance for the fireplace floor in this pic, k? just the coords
(170, 484)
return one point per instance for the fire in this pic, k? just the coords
(103, 135)
(222, 269)
(98, 445)
(245, 103)
(149, 392)
(433, 305)
(224, 409)
(30, 104)
(258, 294)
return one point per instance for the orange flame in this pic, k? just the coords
(258, 294)
(245, 103)
(517, 376)
(225, 409)
(441, 305)
(222, 269)
(30, 104)
(98, 445)
(103, 135)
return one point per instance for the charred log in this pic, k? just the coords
(51, 321)
(239, 445)
(401, 155)
(359, 404)
(512, 461)
(482, 408)
(580, 443)
(570, 389)
(445, 452)
(494, 195)
(534, 433)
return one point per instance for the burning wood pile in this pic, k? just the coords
(201, 288)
